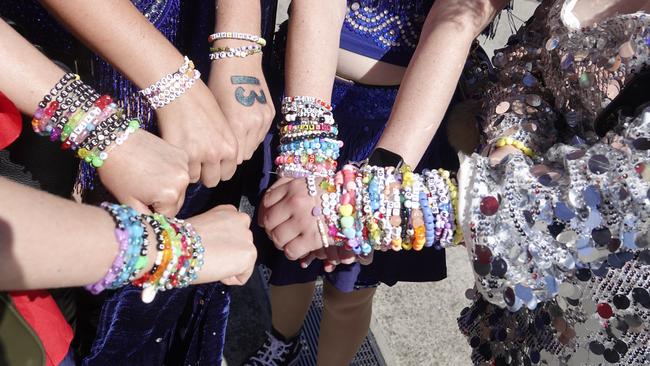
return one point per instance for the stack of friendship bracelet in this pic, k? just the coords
(179, 253)
(383, 208)
(308, 138)
(171, 86)
(85, 122)
(217, 53)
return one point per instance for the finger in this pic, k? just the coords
(328, 266)
(137, 205)
(284, 233)
(251, 145)
(332, 253)
(306, 261)
(274, 194)
(301, 246)
(166, 208)
(195, 172)
(228, 169)
(276, 215)
(366, 259)
(346, 256)
(210, 174)
(226, 208)
(320, 253)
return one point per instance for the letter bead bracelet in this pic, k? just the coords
(171, 86)
(178, 260)
(85, 122)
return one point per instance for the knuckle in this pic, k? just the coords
(291, 253)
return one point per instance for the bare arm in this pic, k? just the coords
(431, 78)
(312, 47)
(118, 32)
(54, 243)
(59, 243)
(193, 122)
(25, 82)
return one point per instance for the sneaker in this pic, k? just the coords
(276, 351)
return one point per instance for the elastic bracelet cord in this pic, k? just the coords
(171, 86)
(82, 120)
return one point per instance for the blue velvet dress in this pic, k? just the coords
(362, 112)
(180, 327)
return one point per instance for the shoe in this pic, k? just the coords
(276, 351)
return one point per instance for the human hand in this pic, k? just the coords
(229, 250)
(333, 256)
(286, 215)
(241, 91)
(195, 123)
(146, 172)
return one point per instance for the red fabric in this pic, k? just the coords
(43, 315)
(10, 122)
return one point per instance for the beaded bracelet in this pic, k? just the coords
(220, 53)
(132, 238)
(178, 260)
(238, 36)
(308, 138)
(85, 122)
(171, 86)
(508, 141)
(377, 208)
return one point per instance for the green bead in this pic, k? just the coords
(67, 129)
(141, 262)
(347, 221)
(134, 124)
(97, 162)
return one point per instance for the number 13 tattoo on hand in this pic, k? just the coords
(240, 92)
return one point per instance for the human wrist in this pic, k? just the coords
(178, 253)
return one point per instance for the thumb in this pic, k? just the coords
(137, 205)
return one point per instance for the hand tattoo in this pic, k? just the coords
(247, 100)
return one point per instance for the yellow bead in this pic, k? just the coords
(83, 153)
(509, 140)
(345, 210)
(518, 144)
(501, 143)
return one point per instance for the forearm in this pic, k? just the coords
(238, 16)
(26, 74)
(133, 45)
(312, 46)
(47, 242)
(431, 78)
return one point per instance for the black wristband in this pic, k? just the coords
(384, 158)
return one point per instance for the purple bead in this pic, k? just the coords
(55, 135)
(39, 113)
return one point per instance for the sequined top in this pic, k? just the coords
(386, 30)
(561, 239)
(567, 74)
